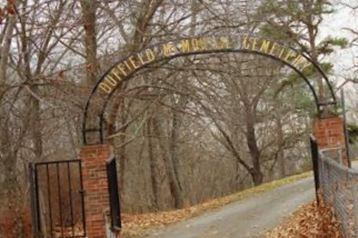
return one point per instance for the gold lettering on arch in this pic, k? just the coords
(150, 55)
(196, 44)
(192, 45)
(245, 43)
(105, 88)
(168, 49)
(299, 60)
(265, 45)
(254, 43)
(111, 81)
(184, 46)
(224, 43)
(273, 48)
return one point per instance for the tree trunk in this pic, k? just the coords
(281, 158)
(313, 49)
(89, 23)
(9, 160)
(174, 163)
(121, 150)
(154, 176)
(8, 156)
(257, 175)
(167, 171)
(36, 125)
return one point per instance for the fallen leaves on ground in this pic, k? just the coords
(137, 225)
(311, 220)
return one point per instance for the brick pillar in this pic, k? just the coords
(96, 188)
(329, 134)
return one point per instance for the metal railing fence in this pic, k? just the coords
(338, 185)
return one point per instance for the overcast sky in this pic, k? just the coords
(343, 60)
(334, 25)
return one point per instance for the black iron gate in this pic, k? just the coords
(57, 199)
(114, 202)
(314, 157)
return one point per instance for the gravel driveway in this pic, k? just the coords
(250, 217)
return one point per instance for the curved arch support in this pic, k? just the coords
(96, 105)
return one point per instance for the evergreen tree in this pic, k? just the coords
(297, 22)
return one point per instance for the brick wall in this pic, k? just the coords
(329, 134)
(15, 223)
(96, 189)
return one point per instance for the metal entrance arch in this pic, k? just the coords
(301, 63)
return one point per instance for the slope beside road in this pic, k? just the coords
(250, 217)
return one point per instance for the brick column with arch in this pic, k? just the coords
(330, 136)
(95, 186)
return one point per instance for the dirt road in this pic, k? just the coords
(250, 217)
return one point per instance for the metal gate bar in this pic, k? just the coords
(37, 201)
(49, 195)
(314, 157)
(70, 195)
(115, 209)
(65, 224)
